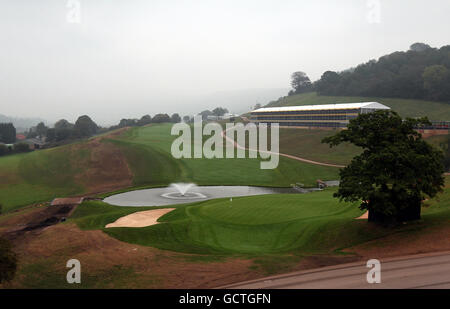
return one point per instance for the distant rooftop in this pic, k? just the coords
(371, 105)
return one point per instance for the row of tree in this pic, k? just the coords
(84, 127)
(147, 119)
(422, 72)
(64, 130)
(218, 111)
(7, 133)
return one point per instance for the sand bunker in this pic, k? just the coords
(363, 216)
(140, 218)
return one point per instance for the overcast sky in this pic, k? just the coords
(129, 58)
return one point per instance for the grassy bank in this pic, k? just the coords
(39, 176)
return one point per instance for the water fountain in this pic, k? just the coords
(180, 193)
(183, 191)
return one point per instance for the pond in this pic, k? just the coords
(170, 195)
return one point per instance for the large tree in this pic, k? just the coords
(41, 129)
(7, 133)
(328, 83)
(8, 261)
(85, 127)
(146, 119)
(160, 118)
(219, 111)
(436, 82)
(300, 82)
(396, 170)
(446, 146)
(175, 118)
(128, 123)
(205, 114)
(63, 124)
(419, 47)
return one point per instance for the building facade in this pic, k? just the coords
(328, 116)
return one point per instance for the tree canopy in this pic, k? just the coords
(219, 111)
(146, 119)
(422, 72)
(300, 82)
(85, 127)
(175, 118)
(7, 133)
(396, 169)
(160, 118)
(8, 261)
(41, 129)
(205, 114)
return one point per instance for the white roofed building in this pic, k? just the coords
(314, 116)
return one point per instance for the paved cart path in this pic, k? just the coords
(415, 271)
(230, 140)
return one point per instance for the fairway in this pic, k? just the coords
(140, 157)
(96, 165)
(148, 154)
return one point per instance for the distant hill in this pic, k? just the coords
(405, 107)
(422, 72)
(21, 124)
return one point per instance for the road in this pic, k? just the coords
(417, 271)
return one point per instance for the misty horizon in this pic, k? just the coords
(115, 60)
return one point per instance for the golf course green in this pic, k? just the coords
(313, 223)
(252, 225)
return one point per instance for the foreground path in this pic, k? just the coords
(280, 154)
(415, 271)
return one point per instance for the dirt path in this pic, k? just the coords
(279, 153)
(140, 218)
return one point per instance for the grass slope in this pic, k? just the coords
(43, 175)
(63, 171)
(405, 107)
(39, 176)
(148, 154)
(308, 144)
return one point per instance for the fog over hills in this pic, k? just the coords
(21, 124)
(241, 101)
(236, 101)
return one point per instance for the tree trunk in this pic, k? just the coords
(410, 213)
